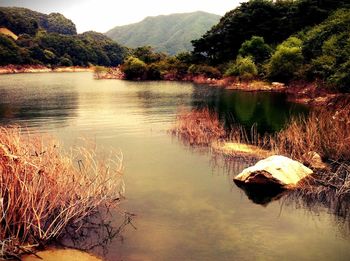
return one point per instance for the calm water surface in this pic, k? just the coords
(186, 206)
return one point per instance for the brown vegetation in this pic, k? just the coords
(324, 131)
(101, 72)
(43, 189)
(315, 140)
(198, 127)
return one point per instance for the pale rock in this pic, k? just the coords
(278, 170)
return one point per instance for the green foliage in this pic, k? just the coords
(256, 48)
(52, 40)
(166, 33)
(147, 54)
(275, 21)
(206, 70)
(286, 60)
(244, 67)
(103, 50)
(24, 21)
(154, 72)
(327, 49)
(185, 57)
(134, 68)
(57, 23)
(10, 53)
(65, 61)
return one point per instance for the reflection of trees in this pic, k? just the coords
(270, 111)
(50, 107)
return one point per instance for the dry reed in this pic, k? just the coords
(198, 127)
(43, 189)
(324, 132)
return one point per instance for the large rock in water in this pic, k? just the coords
(274, 170)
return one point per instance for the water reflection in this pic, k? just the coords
(32, 105)
(96, 232)
(186, 208)
(262, 195)
(269, 111)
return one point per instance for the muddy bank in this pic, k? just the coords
(10, 69)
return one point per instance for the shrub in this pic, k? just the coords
(244, 67)
(206, 70)
(154, 72)
(286, 61)
(134, 68)
(256, 48)
(9, 51)
(65, 61)
(327, 49)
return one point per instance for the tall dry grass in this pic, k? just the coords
(198, 127)
(324, 131)
(43, 189)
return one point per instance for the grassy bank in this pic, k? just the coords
(320, 140)
(44, 189)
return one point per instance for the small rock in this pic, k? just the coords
(314, 160)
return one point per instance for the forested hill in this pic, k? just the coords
(25, 21)
(52, 40)
(165, 33)
(275, 21)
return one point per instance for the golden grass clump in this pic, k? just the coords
(325, 132)
(198, 127)
(43, 189)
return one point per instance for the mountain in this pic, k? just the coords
(166, 33)
(29, 37)
(25, 21)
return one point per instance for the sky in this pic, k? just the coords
(102, 15)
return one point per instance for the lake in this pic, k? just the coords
(185, 202)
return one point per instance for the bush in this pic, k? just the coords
(206, 70)
(134, 69)
(154, 72)
(327, 50)
(65, 61)
(256, 48)
(286, 61)
(244, 67)
(9, 51)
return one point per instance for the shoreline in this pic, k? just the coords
(297, 92)
(14, 69)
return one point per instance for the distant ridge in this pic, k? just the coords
(166, 33)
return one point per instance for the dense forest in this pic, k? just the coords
(52, 40)
(300, 40)
(303, 40)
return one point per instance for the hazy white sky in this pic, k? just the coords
(102, 15)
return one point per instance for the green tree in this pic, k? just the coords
(327, 50)
(10, 53)
(256, 48)
(147, 54)
(275, 21)
(244, 67)
(134, 68)
(205, 70)
(286, 60)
